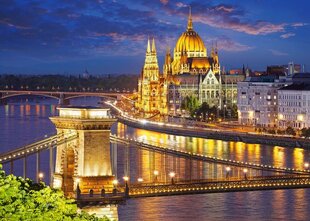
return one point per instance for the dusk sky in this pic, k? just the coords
(67, 36)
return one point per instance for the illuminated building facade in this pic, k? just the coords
(258, 101)
(190, 72)
(152, 86)
(86, 160)
(294, 106)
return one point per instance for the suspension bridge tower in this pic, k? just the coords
(85, 161)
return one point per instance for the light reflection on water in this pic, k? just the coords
(23, 122)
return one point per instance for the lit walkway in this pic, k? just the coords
(269, 183)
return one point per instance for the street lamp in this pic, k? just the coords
(126, 178)
(78, 190)
(245, 170)
(140, 180)
(155, 175)
(172, 175)
(224, 111)
(114, 182)
(228, 169)
(306, 165)
(40, 175)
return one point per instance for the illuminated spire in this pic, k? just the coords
(148, 46)
(168, 56)
(153, 46)
(190, 21)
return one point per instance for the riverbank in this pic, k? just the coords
(208, 133)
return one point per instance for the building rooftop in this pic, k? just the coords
(264, 78)
(297, 87)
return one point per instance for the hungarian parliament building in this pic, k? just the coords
(190, 72)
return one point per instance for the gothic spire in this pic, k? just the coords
(190, 21)
(148, 46)
(153, 46)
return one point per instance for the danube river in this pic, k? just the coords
(24, 120)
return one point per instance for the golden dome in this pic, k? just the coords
(190, 43)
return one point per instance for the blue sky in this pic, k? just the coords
(109, 36)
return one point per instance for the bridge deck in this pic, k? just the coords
(35, 147)
(201, 157)
(220, 186)
(55, 140)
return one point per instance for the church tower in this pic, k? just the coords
(150, 85)
(150, 68)
(167, 66)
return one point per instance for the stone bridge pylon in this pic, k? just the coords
(85, 161)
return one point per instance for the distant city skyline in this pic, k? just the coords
(109, 37)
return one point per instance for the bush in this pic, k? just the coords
(22, 199)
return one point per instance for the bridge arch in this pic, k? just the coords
(7, 96)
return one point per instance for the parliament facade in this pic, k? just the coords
(190, 72)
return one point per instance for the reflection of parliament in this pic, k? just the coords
(190, 72)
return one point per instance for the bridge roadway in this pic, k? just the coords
(52, 142)
(47, 143)
(267, 183)
(197, 187)
(62, 96)
(295, 179)
(195, 156)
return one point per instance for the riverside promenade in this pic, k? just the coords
(210, 133)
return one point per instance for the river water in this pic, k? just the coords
(24, 120)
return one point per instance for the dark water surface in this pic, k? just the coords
(24, 120)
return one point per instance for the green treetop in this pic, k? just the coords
(22, 199)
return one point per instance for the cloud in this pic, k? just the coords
(226, 44)
(77, 28)
(278, 53)
(16, 26)
(299, 24)
(287, 35)
(233, 18)
(181, 5)
(224, 16)
(164, 2)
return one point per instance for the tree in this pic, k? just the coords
(234, 111)
(305, 132)
(290, 131)
(190, 103)
(22, 199)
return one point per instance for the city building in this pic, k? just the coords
(285, 70)
(189, 72)
(294, 103)
(152, 86)
(258, 100)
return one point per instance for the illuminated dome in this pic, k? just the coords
(190, 43)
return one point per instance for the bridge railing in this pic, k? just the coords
(220, 186)
(35, 147)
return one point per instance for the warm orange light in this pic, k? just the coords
(172, 174)
(41, 175)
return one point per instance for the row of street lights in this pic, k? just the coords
(140, 180)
